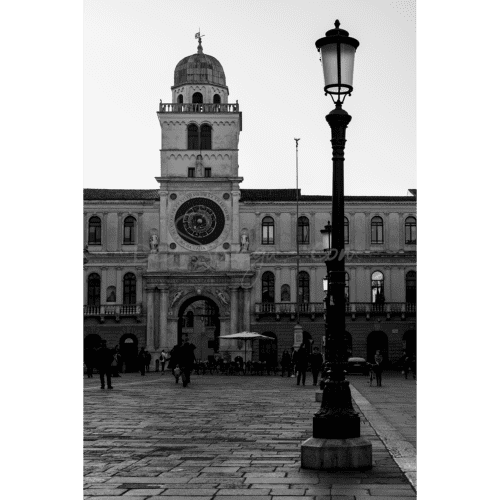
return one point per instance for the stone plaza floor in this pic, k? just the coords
(228, 437)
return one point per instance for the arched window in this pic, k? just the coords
(346, 288)
(94, 231)
(197, 98)
(285, 293)
(411, 287)
(268, 287)
(303, 234)
(129, 231)
(378, 288)
(94, 290)
(180, 98)
(346, 231)
(377, 230)
(206, 137)
(411, 231)
(193, 137)
(268, 231)
(304, 293)
(216, 99)
(129, 289)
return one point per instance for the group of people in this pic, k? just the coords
(298, 363)
(92, 357)
(180, 361)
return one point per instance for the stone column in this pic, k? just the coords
(104, 281)
(163, 318)
(162, 247)
(246, 309)
(119, 232)
(104, 231)
(368, 229)
(236, 220)
(139, 284)
(150, 326)
(277, 284)
(119, 285)
(85, 230)
(234, 309)
(140, 238)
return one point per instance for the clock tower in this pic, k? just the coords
(198, 252)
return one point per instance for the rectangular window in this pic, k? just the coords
(190, 172)
(95, 235)
(411, 235)
(208, 172)
(128, 235)
(304, 235)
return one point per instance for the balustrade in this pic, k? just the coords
(116, 310)
(174, 107)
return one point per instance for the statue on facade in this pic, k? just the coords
(154, 242)
(177, 296)
(244, 242)
(201, 263)
(222, 297)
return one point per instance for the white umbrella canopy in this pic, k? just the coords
(245, 336)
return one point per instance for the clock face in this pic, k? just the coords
(199, 221)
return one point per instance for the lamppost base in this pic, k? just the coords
(336, 454)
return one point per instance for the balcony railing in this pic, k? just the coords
(175, 107)
(115, 310)
(353, 308)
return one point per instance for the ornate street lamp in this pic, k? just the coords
(326, 232)
(336, 441)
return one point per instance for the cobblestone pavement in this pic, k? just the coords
(396, 400)
(224, 437)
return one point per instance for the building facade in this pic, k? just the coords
(199, 255)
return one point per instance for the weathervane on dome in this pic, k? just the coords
(198, 35)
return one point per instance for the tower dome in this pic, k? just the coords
(199, 68)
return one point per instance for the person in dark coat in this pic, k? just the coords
(301, 364)
(104, 358)
(141, 358)
(377, 367)
(286, 363)
(186, 360)
(115, 365)
(174, 358)
(316, 364)
(148, 361)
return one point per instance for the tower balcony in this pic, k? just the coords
(176, 107)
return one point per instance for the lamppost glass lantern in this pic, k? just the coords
(337, 56)
(325, 284)
(326, 232)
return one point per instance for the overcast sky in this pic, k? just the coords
(272, 68)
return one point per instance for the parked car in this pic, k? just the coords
(357, 365)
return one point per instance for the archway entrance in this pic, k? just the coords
(377, 341)
(410, 342)
(199, 319)
(128, 351)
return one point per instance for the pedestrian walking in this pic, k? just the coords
(163, 359)
(316, 364)
(286, 362)
(148, 360)
(377, 368)
(294, 362)
(104, 358)
(174, 358)
(186, 360)
(141, 358)
(301, 361)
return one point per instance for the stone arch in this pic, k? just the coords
(216, 307)
(377, 340)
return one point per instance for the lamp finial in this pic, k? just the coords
(337, 24)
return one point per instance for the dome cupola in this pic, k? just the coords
(199, 68)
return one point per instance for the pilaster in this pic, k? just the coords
(163, 246)
(139, 283)
(119, 232)
(246, 309)
(104, 282)
(277, 282)
(119, 285)
(163, 318)
(234, 309)
(104, 232)
(140, 237)
(150, 326)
